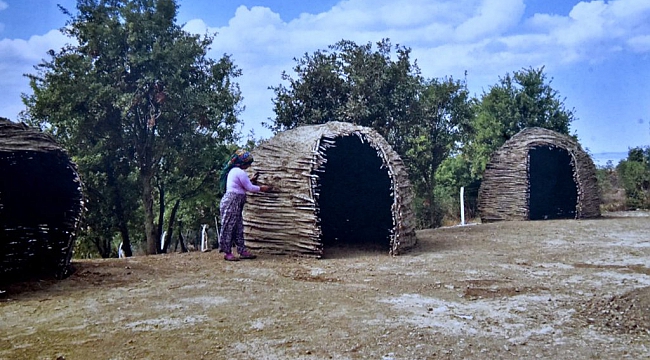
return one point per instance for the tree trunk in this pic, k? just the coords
(147, 202)
(103, 247)
(170, 226)
(126, 240)
(180, 237)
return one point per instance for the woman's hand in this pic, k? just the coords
(254, 178)
(266, 188)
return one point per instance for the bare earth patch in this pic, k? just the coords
(511, 290)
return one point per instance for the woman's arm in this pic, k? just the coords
(246, 184)
(243, 181)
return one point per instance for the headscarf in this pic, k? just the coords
(239, 158)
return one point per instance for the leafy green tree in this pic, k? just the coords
(451, 175)
(634, 173)
(192, 182)
(610, 187)
(445, 110)
(111, 201)
(136, 97)
(351, 83)
(524, 99)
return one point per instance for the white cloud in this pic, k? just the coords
(587, 23)
(196, 26)
(542, 23)
(640, 44)
(33, 49)
(492, 18)
(593, 29)
(17, 57)
(257, 15)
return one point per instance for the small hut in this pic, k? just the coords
(539, 174)
(41, 203)
(336, 184)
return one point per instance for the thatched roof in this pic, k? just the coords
(539, 174)
(295, 162)
(41, 202)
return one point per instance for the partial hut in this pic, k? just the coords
(539, 174)
(336, 184)
(41, 203)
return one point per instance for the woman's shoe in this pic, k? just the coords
(230, 257)
(246, 255)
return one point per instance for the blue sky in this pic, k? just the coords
(596, 52)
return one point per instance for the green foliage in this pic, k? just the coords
(525, 99)
(612, 194)
(445, 110)
(352, 83)
(634, 174)
(141, 108)
(451, 175)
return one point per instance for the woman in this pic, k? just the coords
(235, 182)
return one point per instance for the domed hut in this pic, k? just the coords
(41, 203)
(336, 184)
(539, 174)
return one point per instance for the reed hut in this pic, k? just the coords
(539, 174)
(41, 203)
(336, 184)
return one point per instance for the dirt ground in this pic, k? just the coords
(511, 290)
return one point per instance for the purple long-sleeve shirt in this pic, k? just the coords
(238, 182)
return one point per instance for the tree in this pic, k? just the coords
(137, 93)
(351, 83)
(634, 173)
(445, 110)
(111, 203)
(525, 99)
(192, 181)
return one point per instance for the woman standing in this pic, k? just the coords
(235, 182)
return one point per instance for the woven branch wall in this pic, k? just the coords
(41, 203)
(286, 221)
(505, 189)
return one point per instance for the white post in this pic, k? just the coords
(162, 240)
(204, 238)
(462, 206)
(120, 251)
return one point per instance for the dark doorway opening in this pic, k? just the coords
(355, 197)
(553, 190)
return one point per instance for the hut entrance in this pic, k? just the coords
(553, 190)
(355, 197)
